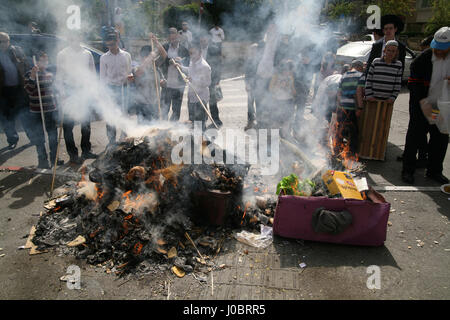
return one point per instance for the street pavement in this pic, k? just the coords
(413, 262)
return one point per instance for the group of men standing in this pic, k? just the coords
(23, 85)
(279, 76)
(160, 79)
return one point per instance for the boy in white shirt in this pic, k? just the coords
(115, 72)
(199, 75)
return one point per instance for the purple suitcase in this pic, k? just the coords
(293, 217)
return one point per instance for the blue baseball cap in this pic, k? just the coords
(441, 39)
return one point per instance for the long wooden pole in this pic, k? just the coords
(57, 153)
(157, 86)
(195, 91)
(40, 99)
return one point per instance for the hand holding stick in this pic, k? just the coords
(195, 92)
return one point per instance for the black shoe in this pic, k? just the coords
(58, 163)
(438, 177)
(407, 177)
(88, 155)
(421, 163)
(12, 146)
(400, 158)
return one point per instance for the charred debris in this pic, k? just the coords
(135, 211)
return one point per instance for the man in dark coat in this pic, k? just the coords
(13, 66)
(211, 52)
(391, 26)
(428, 71)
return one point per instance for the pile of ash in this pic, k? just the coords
(135, 209)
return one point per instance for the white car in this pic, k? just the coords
(361, 50)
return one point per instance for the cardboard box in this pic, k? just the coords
(342, 183)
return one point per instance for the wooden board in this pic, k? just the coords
(374, 126)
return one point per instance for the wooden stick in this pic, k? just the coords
(195, 91)
(157, 86)
(189, 238)
(57, 153)
(40, 99)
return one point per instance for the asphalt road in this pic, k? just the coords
(413, 263)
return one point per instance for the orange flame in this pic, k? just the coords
(137, 248)
(245, 211)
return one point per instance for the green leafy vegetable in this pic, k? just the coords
(291, 185)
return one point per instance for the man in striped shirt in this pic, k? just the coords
(48, 108)
(348, 109)
(384, 78)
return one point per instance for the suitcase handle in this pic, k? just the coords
(331, 222)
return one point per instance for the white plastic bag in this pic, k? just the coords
(262, 240)
(443, 121)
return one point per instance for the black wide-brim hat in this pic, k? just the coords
(395, 20)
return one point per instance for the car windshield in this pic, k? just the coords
(354, 49)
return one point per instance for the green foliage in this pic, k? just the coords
(341, 8)
(291, 185)
(397, 7)
(441, 16)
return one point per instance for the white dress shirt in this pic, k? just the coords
(200, 74)
(217, 35)
(115, 68)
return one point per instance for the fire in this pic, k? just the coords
(137, 248)
(245, 211)
(340, 149)
(141, 201)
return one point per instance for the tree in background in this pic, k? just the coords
(340, 8)
(441, 16)
(173, 16)
(401, 8)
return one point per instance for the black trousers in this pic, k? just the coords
(38, 137)
(147, 112)
(251, 109)
(422, 140)
(347, 128)
(263, 102)
(174, 97)
(213, 105)
(13, 106)
(418, 128)
(72, 150)
(197, 112)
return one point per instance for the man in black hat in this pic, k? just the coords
(391, 26)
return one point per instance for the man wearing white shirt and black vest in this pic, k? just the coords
(115, 70)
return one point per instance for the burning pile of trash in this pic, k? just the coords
(135, 206)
